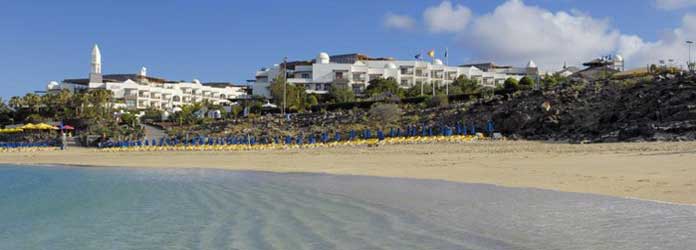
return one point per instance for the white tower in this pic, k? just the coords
(95, 74)
(323, 58)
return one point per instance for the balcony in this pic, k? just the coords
(359, 77)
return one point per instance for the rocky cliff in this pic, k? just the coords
(605, 111)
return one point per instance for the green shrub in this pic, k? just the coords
(438, 101)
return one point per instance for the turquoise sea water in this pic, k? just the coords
(113, 208)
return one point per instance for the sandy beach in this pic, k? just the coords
(653, 171)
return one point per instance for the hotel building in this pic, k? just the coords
(356, 70)
(140, 91)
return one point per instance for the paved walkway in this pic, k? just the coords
(152, 132)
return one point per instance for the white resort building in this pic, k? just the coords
(140, 91)
(356, 71)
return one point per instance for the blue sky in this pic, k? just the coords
(42, 41)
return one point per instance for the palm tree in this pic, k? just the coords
(101, 100)
(16, 102)
(58, 104)
(33, 102)
(80, 101)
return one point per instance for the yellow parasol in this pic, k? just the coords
(11, 130)
(44, 126)
(29, 126)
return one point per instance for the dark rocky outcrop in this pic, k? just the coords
(606, 111)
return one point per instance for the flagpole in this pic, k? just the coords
(432, 59)
(445, 71)
(414, 72)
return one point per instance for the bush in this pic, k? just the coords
(438, 101)
(511, 85)
(341, 94)
(236, 110)
(380, 86)
(385, 114)
(526, 83)
(152, 114)
(312, 101)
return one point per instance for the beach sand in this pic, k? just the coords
(654, 171)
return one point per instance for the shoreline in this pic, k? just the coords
(49, 165)
(656, 171)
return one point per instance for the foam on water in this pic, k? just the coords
(112, 208)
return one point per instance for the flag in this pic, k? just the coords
(418, 56)
(446, 53)
(431, 53)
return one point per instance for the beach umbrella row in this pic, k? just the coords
(31, 126)
(24, 144)
(459, 129)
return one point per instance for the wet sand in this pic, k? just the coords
(653, 171)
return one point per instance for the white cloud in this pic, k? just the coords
(672, 45)
(515, 33)
(446, 17)
(399, 22)
(674, 4)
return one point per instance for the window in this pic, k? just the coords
(357, 89)
(130, 103)
(339, 75)
(306, 76)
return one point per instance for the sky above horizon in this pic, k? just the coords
(42, 41)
